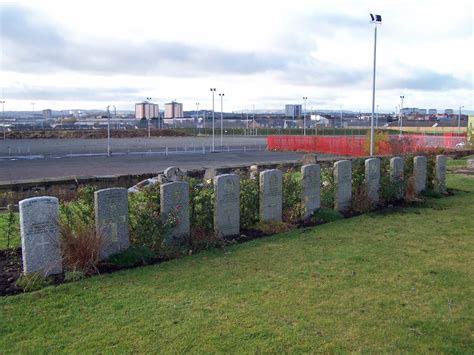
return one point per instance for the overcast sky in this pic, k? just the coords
(90, 54)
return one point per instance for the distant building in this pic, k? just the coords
(409, 111)
(432, 111)
(449, 111)
(174, 109)
(47, 114)
(146, 110)
(293, 110)
(421, 111)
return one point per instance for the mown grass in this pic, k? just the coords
(398, 281)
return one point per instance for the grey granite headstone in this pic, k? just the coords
(470, 164)
(343, 182)
(440, 173)
(227, 205)
(173, 174)
(396, 176)
(311, 189)
(419, 171)
(372, 179)
(174, 204)
(111, 220)
(253, 171)
(271, 195)
(40, 241)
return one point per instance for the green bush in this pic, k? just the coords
(249, 201)
(201, 206)
(292, 189)
(146, 225)
(33, 281)
(430, 172)
(134, 255)
(9, 229)
(328, 187)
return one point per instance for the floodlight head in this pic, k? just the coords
(376, 18)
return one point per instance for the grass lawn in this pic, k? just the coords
(381, 282)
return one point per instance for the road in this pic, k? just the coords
(130, 164)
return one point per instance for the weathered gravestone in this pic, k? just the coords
(343, 182)
(419, 172)
(396, 176)
(311, 189)
(372, 179)
(40, 241)
(173, 174)
(470, 163)
(254, 171)
(440, 173)
(174, 204)
(227, 205)
(271, 195)
(111, 220)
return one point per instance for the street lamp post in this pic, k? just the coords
(108, 131)
(3, 119)
(213, 90)
(148, 119)
(253, 118)
(340, 111)
(304, 115)
(197, 113)
(459, 120)
(377, 19)
(222, 122)
(400, 114)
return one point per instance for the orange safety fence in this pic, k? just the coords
(359, 145)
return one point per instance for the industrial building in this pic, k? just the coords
(147, 110)
(293, 111)
(174, 109)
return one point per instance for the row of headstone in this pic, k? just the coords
(40, 235)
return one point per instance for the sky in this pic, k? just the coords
(264, 54)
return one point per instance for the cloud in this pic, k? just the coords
(73, 94)
(422, 79)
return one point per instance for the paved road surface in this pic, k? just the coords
(130, 164)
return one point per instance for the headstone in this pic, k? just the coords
(440, 173)
(311, 189)
(40, 241)
(271, 195)
(470, 163)
(254, 171)
(174, 202)
(343, 182)
(396, 176)
(372, 179)
(111, 220)
(227, 205)
(419, 171)
(173, 174)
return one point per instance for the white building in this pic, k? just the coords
(174, 109)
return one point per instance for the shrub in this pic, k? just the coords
(134, 255)
(201, 199)
(81, 245)
(328, 187)
(33, 281)
(146, 226)
(292, 206)
(10, 227)
(249, 202)
(430, 171)
(360, 200)
(390, 191)
(325, 215)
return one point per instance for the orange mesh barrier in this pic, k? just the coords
(359, 146)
